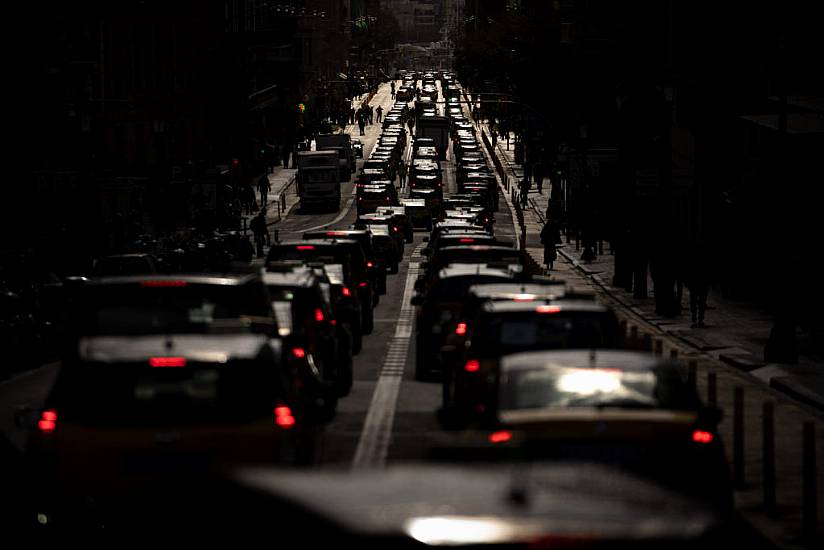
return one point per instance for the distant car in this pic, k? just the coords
(624, 408)
(125, 264)
(357, 147)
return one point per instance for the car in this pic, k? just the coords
(364, 238)
(418, 212)
(125, 264)
(437, 305)
(164, 377)
(471, 253)
(386, 247)
(629, 409)
(357, 147)
(371, 196)
(502, 327)
(346, 252)
(399, 212)
(307, 324)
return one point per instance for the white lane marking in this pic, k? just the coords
(377, 429)
(343, 213)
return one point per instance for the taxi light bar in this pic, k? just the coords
(284, 417)
(500, 436)
(164, 362)
(473, 365)
(701, 436)
(162, 284)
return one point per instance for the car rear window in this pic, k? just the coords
(562, 386)
(498, 334)
(192, 308)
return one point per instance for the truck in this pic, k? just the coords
(343, 144)
(318, 178)
(437, 128)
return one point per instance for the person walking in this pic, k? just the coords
(538, 176)
(371, 113)
(264, 187)
(697, 281)
(402, 171)
(550, 236)
(392, 87)
(379, 112)
(361, 123)
(247, 198)
(259, 230)
(524, 189)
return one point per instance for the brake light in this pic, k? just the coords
(305, 247)
(48, 421)
(334, 234)
(473, 365)
(162, 284)
(500, 437)
(370, 264)
(362, 285)
(284, 417)
(701, 436)
(460, 330)
(334, 322)
(319, 315)
(346, 292)
(395, 229)
(164, 362)
(300, 353)
(547, 309)
(466, 240)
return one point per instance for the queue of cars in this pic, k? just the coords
(169, 376)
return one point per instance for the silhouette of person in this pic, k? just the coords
(550, 236)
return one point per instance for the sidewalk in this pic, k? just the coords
(725, 357)
(281, 199)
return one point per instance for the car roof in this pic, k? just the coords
(562, 305)
(463, 270)
(301, 277)
(192, 279)
(516, 290)
(601, 358)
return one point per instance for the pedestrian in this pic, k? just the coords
(550, 236)
(525, 185)
(402, 171)
(392, 87)
(361, 123)
(286, 156)
(538, 176)
(258, 227)
(697, 281)
(411, 124)
(247, 198)
(494, 138)
(264, 187)
(379, 111)
(371, 114)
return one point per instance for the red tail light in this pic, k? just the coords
(460, 330)
(319, 317)
(164, 362)
(466, 240)
(362, 285)
(547, 309)
(370, 264)
(334, 234)
(284, 417)
(500, 437)
(395, 229)
(473, 365)
(162, 284)
(346, 292)
(305, 247)
(700, 436)
(48, 421)
(300, 353)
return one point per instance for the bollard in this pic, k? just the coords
(674, 354)
(712, 389)
(738, 437)
(692, 372)
(659, 347)
(768, 455)
(809, 484)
